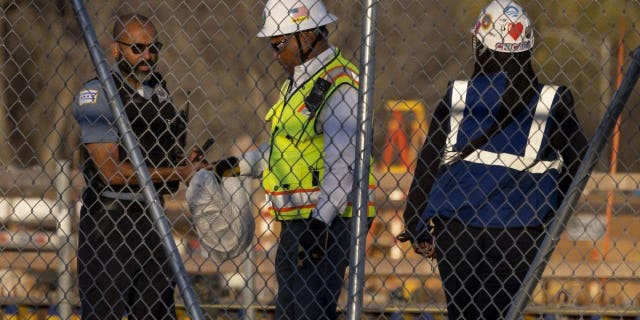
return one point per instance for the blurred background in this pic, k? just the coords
(214, 63)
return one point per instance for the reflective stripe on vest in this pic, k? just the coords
(528, 162)
(285, 201)
(293, 177)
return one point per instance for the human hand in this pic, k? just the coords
(421, 244)
(227, 167)
(425, 249)
(187, 171)
(197, 152)
(314, 241)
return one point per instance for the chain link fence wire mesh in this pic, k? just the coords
(215, 66)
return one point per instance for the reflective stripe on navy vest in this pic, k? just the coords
(529, 161)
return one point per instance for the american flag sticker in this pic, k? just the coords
(299, 14)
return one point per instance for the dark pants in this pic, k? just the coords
(310, 291)
(483, 268)
(122, 267)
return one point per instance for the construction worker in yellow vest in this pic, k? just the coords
(308, 163)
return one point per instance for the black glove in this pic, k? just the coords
(410, 234)
(314, 241)
(407, 236)
(227, 167)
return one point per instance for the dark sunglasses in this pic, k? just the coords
(279, 46)
(139, 48)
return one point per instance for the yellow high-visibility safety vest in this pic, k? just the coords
(294, 175)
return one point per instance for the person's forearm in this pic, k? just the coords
(339, 127)
(337, 183)
(126, 174)
(572, 151)
(427, 166)
(568, 139)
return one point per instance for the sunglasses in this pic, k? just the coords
(139, 48)
(279, 46)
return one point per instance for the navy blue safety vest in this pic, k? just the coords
(510, 181)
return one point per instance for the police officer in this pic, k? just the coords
(307, 165)
(500, 154)
(121, 263)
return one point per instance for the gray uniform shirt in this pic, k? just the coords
(93, 113)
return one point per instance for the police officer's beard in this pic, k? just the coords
(141, 75)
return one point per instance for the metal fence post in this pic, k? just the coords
(602, 134)
(64, 220)
(362, 167)
(131, 144)
(240, 189)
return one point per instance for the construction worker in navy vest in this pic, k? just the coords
(122, 267)
(307, 165)
(501, 152)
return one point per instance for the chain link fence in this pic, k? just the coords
(215, 67)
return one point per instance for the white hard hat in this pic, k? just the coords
(289, 16)
(503, 26)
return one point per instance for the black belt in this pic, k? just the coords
(130, 196)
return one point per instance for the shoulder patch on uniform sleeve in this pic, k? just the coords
(87, 97)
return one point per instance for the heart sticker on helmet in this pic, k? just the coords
(515, 30)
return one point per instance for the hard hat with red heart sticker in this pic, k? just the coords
(504, 26)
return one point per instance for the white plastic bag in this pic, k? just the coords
(224, 229)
